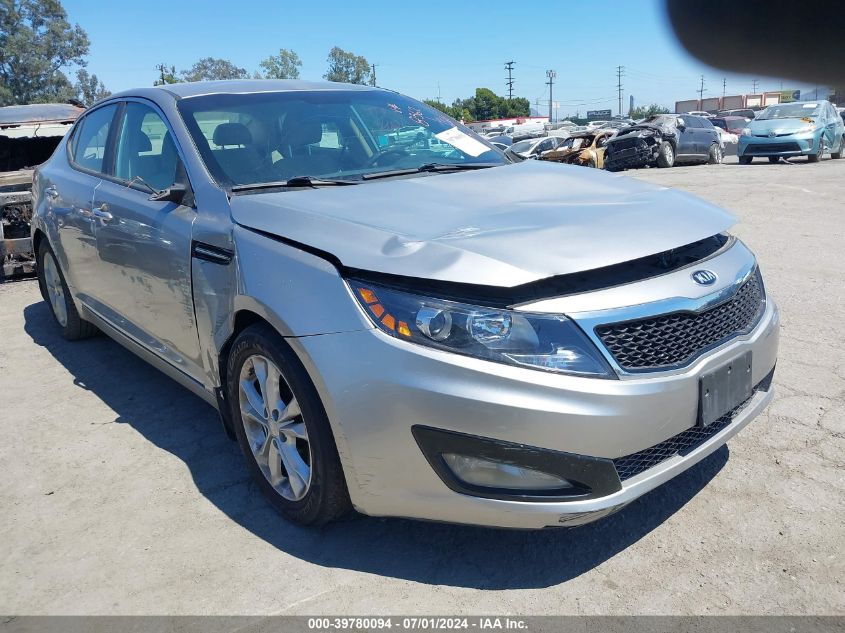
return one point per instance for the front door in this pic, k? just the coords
(144, 245)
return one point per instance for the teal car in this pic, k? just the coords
(803, 128)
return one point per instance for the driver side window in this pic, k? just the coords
(145, 151)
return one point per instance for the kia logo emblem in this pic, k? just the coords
(704, 277)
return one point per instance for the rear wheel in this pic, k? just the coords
(283, 430)
(53, 288)
(745, 160)
(774, 159)
(715, 155)
(666, 156)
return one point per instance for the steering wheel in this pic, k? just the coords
(398, 151)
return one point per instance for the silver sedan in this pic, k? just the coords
(407, 329)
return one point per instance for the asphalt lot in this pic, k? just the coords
(121, 495)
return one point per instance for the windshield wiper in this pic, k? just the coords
(428, 167)
(297, 181)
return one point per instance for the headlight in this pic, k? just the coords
(539, 341)
(746, 131)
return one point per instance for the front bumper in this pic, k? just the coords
(786, 146)
(639, 154)
(376, 389)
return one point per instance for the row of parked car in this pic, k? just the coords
(780, 131)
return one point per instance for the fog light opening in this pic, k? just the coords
(488, 473)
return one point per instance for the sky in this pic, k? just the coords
(423, 49)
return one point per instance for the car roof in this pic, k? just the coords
(237, 86)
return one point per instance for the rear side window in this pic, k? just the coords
(88, 149)
(705, 123)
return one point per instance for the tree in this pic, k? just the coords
(36, 42)
(285, 65)
(210, 69)
(89, 88)
(642, 112)
(486, 104)
(166, 75)
(348, 67)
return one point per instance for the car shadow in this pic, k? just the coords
(176, 421)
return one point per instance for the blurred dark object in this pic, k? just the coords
(778, 38)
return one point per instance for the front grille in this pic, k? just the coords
(681, 444)
(771, 148)
(672, 340)
(625, 143)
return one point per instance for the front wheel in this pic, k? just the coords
(715, 155)
(745, 160)
(283, 430)
(838, 154)
(54, 289)
(814, 158)
(666, 156)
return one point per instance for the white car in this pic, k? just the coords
(534, 147)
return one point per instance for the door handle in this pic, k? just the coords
(51, 192)
(102, 212)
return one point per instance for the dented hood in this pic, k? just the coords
(502, 226)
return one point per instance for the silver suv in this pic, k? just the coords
(407, 327)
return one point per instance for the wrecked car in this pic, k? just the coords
(663, 140)
(582, 148)
(28, 136)
(407, 333)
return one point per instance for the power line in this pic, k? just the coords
(620, 70)
(509, 67)
(551, 74)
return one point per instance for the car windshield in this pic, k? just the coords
(790, 111)
(662, 119)
(249, 139)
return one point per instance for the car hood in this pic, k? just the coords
(502, 226)
(779, 126)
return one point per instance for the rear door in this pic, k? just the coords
(69, 193)
(144, 245)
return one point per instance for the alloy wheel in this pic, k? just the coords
(275, 427)
(55, 289)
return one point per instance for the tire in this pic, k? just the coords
(774, 159)
(715, 156)
(841, 147)
(54, 290)
(745, 160)
(666, 155)
(814, 158)
(275, 445)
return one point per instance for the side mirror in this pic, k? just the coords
(176, 192)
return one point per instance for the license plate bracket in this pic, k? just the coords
(723, 389)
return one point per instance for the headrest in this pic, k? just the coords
(143, 143)
(232, 134)
(304, 132)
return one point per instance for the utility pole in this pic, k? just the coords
(701, 93)
(509, 67)
(620, 71)
(551, 74)
(373, 76)
(724, 86)
(754, 83)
